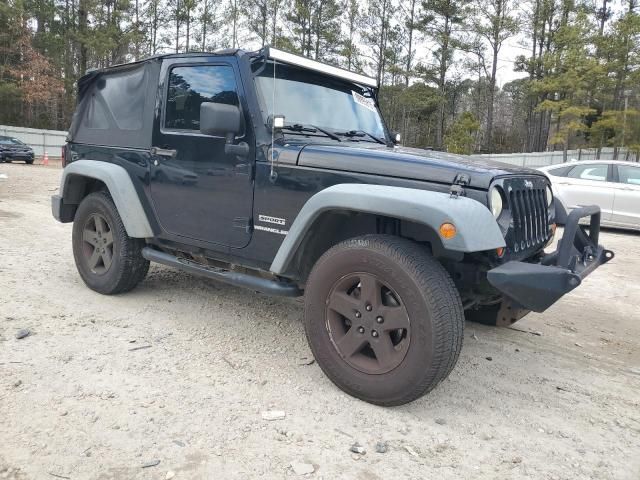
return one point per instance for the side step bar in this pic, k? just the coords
(264, 285)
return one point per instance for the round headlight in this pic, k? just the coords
(549, 196)
(495, 199)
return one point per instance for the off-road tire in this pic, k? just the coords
(128, 267)
(432, 303)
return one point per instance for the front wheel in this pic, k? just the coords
(383, 319)
(108, 260)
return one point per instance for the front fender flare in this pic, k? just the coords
(477, 229)
(120, 188)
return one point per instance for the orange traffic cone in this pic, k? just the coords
(45, 161)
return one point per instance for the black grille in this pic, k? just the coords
(528, 205)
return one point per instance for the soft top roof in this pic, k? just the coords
(224, 52)
(116, 104)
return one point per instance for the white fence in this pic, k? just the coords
(41, 141)
(542, 159)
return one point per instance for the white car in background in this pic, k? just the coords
(613, 186)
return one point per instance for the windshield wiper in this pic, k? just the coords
(361, 133)
(298, 127)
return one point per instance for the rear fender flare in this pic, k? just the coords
(477, 230)
(120, 188)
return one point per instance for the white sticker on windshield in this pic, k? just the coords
(364, 101)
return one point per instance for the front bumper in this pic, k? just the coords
(18, 155)
(537, 286)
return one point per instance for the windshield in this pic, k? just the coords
(10, 141)
(309, 98)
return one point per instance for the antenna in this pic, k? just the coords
(273, 175)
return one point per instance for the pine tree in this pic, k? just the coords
(571, 67)
(493, 21)
(460, 136)
(442, 22)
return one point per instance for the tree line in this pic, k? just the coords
(436, 60)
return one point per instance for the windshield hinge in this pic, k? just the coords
(457, 188)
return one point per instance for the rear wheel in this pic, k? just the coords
(383, 319)
(108, 260)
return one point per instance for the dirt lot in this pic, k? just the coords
(559, 398)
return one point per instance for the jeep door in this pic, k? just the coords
(199, 192)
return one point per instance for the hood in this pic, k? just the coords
(411, 163)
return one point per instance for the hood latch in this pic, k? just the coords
(457, 188)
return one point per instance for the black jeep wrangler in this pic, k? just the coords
(277, 173)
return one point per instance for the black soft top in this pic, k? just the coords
(115, 104)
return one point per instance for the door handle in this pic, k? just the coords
(163, 152)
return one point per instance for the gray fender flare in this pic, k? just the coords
(120, 188)
(477, 229)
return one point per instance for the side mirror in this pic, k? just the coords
(225, 120)
(396, 137)
(220, 119)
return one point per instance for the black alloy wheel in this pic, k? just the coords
(367, 323)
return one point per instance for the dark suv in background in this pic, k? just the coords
(13, 149)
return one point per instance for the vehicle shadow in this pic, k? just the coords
(266, 319)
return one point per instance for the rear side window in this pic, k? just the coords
(628, 174)
(117, 102)
(597, 172)
(189, 87)
(559, 171)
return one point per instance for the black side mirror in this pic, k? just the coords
(396, 137)
(220, 119)
(226, 120)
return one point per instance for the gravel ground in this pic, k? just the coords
(174, 379)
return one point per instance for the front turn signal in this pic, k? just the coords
(448, 231)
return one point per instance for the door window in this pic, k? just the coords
(596, 172)
(629, 174)
(189, 87)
